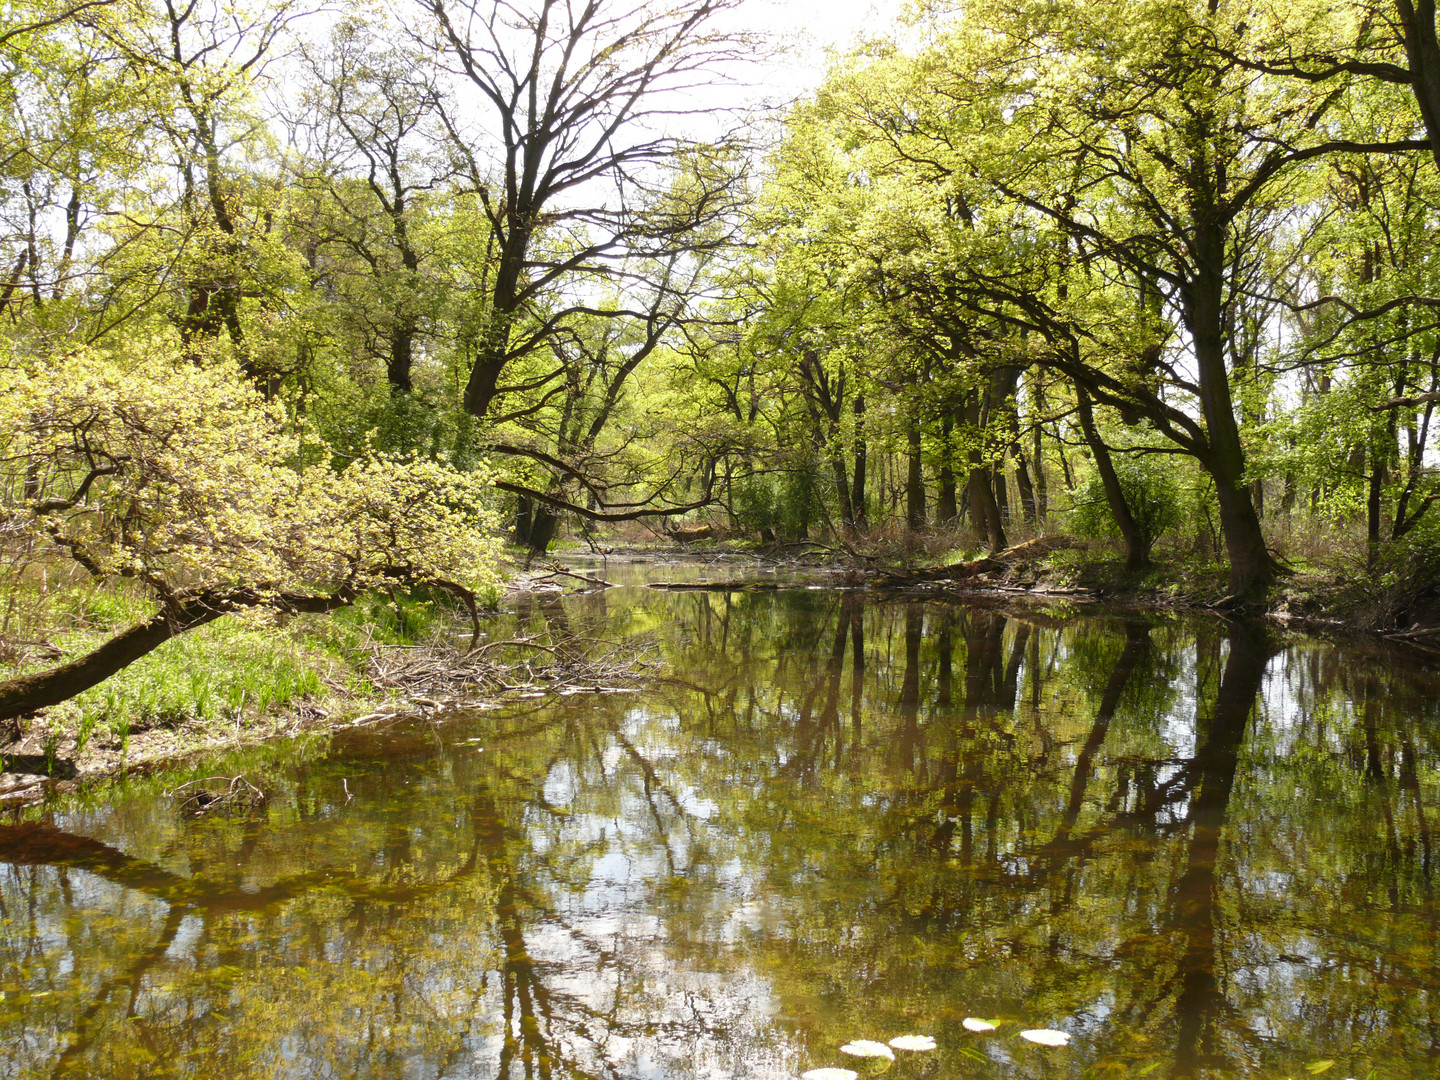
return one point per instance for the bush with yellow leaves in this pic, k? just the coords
(141, 464)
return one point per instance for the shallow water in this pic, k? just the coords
(1197, 849)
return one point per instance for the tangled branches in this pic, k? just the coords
(233, 795)
(524, 666)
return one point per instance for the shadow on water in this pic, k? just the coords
(1199, 850)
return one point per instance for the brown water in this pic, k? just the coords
(1197, 849)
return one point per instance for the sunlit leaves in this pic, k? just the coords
(141, 464)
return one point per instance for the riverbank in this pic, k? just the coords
(1339, 594)
(258, 676)
(250, 679)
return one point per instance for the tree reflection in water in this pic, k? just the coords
(1200, 850)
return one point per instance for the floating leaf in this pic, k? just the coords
(830, 1074)
(913, 1042)
(972, 1023)
(868, 1048)
(1046, 1036)
(1317, 1067)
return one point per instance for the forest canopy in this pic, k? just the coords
(296, 304)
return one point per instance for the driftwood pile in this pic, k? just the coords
(432, 677)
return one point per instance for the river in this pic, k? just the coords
(1197, 848)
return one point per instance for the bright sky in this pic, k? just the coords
(824, 22)
(812, 27)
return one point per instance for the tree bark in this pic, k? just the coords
(1137, 545)
(857, 479)
(1252, 568)
(42, 689)
(1422, 52)
(1026, 488)
(946, 510)
(914, 481)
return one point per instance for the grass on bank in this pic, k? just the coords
(222, 678)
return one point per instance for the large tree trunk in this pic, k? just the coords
(492, 354)
(402, 350)
(543, 523)
(980, 494)
(1252, 568)
(984, 514)
(42, 689)
(1422, 52)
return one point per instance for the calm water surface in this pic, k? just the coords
(1198, 849)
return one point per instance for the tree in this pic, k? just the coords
(578, 99)
(1112, 148)
(373, 115)
(150, 468)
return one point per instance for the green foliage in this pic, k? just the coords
(1402, 587)
(1151, 490)
(229, 670)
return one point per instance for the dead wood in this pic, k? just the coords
(1000, 563)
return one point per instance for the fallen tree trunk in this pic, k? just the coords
(1000, 562)
(27, 694)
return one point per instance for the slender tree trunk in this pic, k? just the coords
(842, 488)
(945, 508)
(1419, 437)
(1028, 508)
(1002, 491)
(914, 481)
(1375, 488)
(1042, 487)
(1137, 545)
(857, 478)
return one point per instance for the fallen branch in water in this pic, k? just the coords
(197, 797)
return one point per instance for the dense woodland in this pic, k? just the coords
(298, 304)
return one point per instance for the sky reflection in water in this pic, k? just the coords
(1199, 851)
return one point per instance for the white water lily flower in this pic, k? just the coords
(830, 1074)
(971, 1023)
(1046, 1036)
(868, 1048)
(913, 1042)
